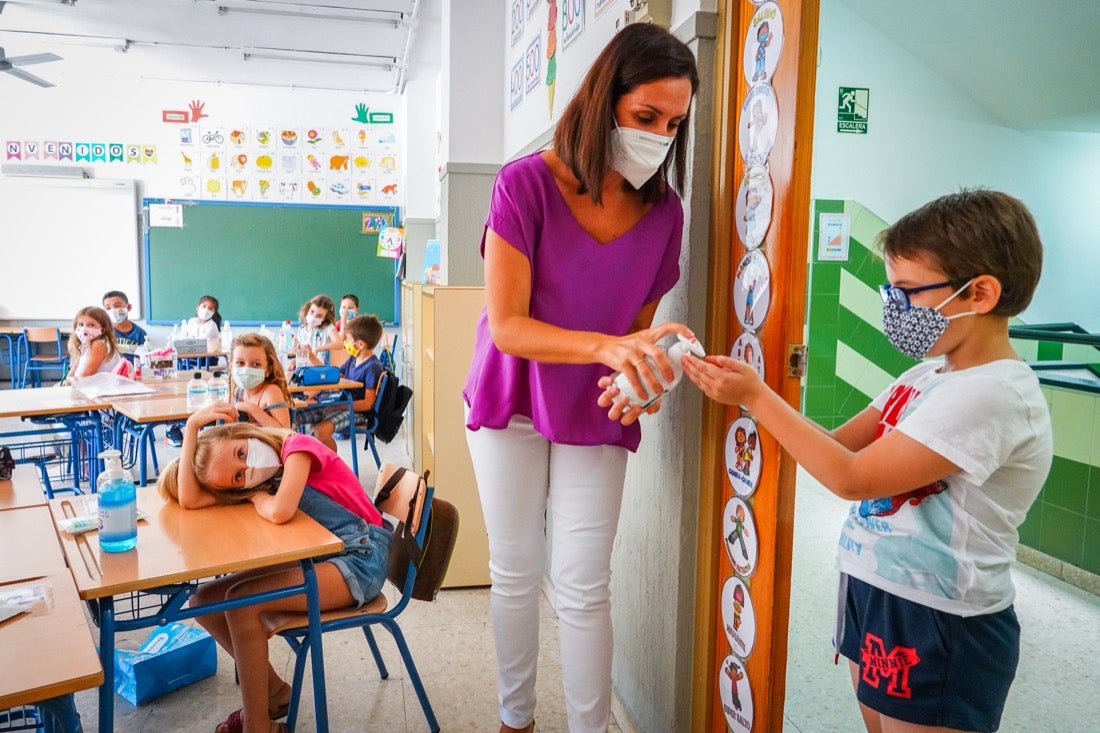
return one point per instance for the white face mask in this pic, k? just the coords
(638, 154)
(315, 321)
(204, 313)
(262, 462)
(84, 334)
(118, 315)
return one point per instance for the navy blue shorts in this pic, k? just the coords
(929, 667)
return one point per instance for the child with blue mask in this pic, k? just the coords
(257, 384)
(941, 468)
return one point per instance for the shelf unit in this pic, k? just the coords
(442, 334)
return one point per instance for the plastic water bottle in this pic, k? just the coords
(117, 505)
(196, 392)
(218, 387)
(227, 337)
(286, 337)
(675, 352)
(184, 331)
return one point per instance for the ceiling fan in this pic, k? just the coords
(9, 64)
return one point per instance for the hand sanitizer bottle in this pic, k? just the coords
(218, 387)
(117, 505)
(676, 351)
(196, 392)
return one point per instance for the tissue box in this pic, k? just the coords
(172, 657)
(190, 346)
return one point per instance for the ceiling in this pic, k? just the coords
(360, 45)
(1033, 65)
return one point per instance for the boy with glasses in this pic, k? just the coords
(941, 468)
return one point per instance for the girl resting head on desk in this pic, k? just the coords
(279, 472)
(92, 345)
(257, 386)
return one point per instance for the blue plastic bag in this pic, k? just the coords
(172, 657)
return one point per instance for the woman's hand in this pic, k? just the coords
(620, 407)
(632, 355)
(725, 380)
(212, 413)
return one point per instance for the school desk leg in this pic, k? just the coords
(316, 654)
(107, 660)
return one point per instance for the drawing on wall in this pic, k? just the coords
(572, 21)
(551, 50)
(747, 348)
(740, 538)
(743, 456)
(532, 66)
(753, 208)
(515, 84)
(738, 617)
(763, 43)
(736, 694)
(752, 290)
(519, 14)
(758, 124)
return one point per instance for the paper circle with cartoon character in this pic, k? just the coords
(736, 694)
(758, 124)
(738, 617)
(752, 290)
(743, 456)
(763, 42)
(747, 348)
(753, 209)
(739, 536)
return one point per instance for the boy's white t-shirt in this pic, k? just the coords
(950, 545)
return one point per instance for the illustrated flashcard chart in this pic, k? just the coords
(757, 129)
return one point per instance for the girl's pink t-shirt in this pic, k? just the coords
(332, 477)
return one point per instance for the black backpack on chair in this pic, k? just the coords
(389, 406)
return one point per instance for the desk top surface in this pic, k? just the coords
(47, 401)
(161, 408)
(28, 544)
(177, 545)
(22, 490)
(51, 645)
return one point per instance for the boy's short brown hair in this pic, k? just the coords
(366, 328)
(971, 233)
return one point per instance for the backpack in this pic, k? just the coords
(389, 406)
(401, 493)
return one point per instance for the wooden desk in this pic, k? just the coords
(179, 546)
(22, 490)
(28, 544)
(38, 401)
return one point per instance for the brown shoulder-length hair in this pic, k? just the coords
(638, 54)
(108, 336)
(321, 301)
(168, 481)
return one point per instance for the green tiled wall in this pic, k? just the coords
(850, 362)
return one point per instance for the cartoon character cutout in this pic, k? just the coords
(734, 674)
(763, 40)
(740, 537)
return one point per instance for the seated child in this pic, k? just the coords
(128, 335)
(317, 334)
(363, 334)
(278, 472)
(349, 308)
(207, 323)
(92, 347)
(257, 385)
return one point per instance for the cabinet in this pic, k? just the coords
(442, 335)
(410, 355)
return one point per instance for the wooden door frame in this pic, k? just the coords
(785, 245)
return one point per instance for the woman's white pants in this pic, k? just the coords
(519, 473)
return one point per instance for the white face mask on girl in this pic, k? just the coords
(86, 334)
(638, 154)
(262, 463)
(315, 321)
(204, 313)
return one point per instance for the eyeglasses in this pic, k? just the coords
(893, 295)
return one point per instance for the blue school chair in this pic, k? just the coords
(38, 357)
(404, 571)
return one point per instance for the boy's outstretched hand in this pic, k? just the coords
(723, 379)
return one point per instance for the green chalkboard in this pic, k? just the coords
(262, 262)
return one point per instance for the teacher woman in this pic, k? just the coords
(580, 243)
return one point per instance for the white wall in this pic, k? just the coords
(926, 138)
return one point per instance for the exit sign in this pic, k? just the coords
(851, 110)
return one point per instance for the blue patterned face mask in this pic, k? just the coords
(915, 330)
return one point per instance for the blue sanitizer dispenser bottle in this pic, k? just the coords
(117, 505)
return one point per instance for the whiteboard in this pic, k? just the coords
(64, 243)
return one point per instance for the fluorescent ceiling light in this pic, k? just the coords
(322, 57)
(383, 17)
